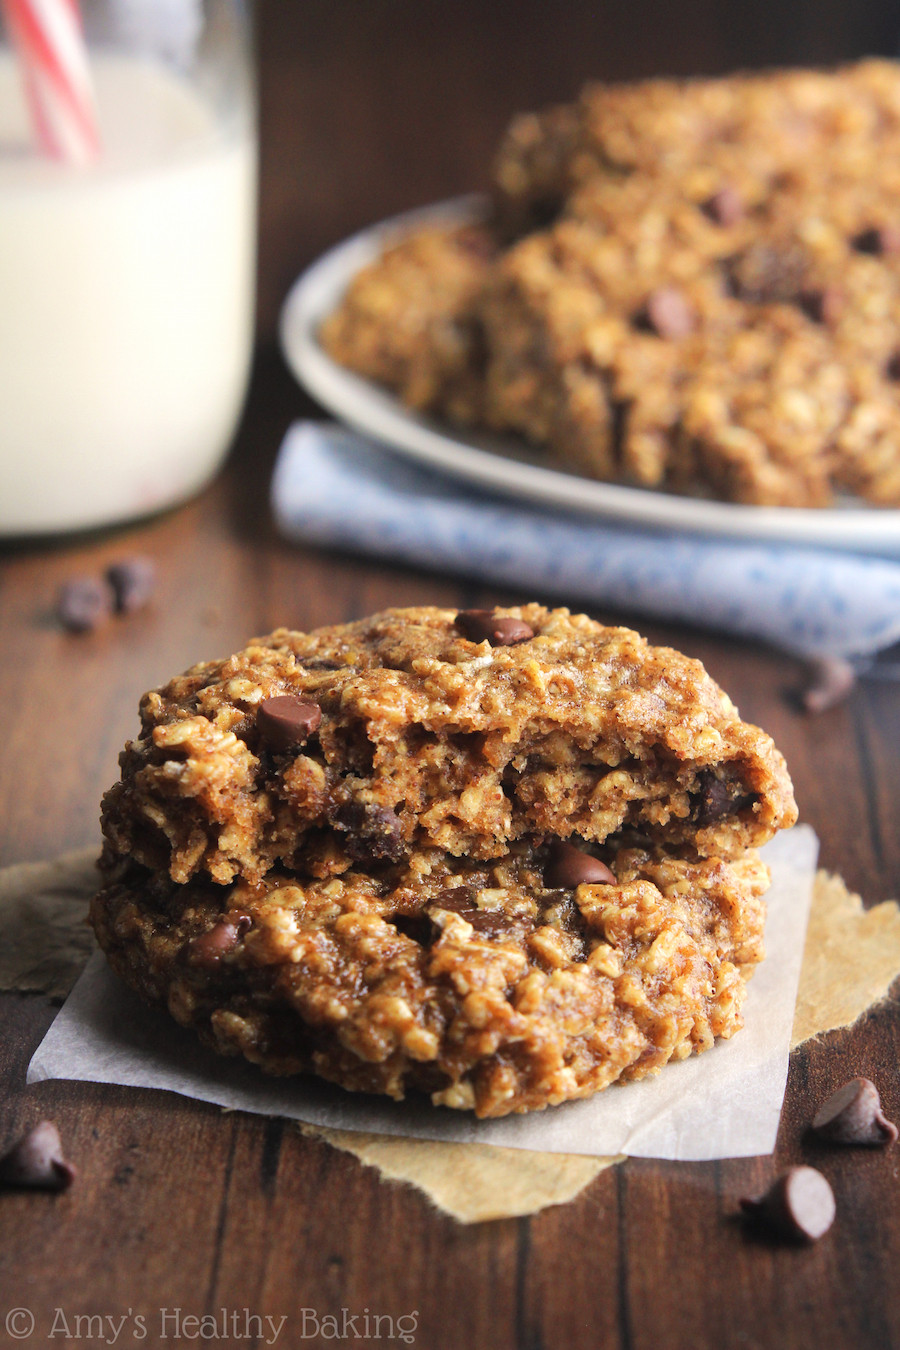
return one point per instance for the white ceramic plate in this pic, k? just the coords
(508, 466)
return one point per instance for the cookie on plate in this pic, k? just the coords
(408, 321)
(742, 133)
(501, 857)
(694, 287)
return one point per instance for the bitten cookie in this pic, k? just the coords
(504, 858)
(420, 728)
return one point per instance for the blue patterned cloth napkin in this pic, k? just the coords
(336, 488)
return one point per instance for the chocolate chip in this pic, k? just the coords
(892, 369)
(208, 948)
(569, 866)
(878, 240)
(483, 625)
(133, 581)
(457, 899)
(460, 900)
(36, 1160)
(491, 922)
(374, 833)
(668, 314)
(716, 798)
(724, 207)
(821, 304)
(831, 680)
(83, 604)
(286, 720)
(713, 801)
(798, 1206)
(417, 927)
(853, 1115)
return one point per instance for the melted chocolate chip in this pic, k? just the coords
(716, 799)
(798, 1206)
(483, 625)
(83, 604)
(713, 801)
(417, 927)
(457, 899)
(569, 866)
(133, 581)
(724, 207)
(36, 1160)
(853, 1115)
(373, 833)
(286, 720)
(490, 922)
(208, 949)
(460, 900)
(668, 313)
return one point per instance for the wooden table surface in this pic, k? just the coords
(178, 1206)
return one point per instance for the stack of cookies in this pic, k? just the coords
(504, 858)
(690, 286)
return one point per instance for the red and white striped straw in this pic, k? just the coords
(52, 53)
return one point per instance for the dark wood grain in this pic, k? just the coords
(368, 108)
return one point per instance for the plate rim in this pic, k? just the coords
(375, 413)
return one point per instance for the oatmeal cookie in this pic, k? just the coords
(693, 286)
(499, 986)
(761, 370)
(744, 131)
(590, 337)
(427, 728)
(407, 320)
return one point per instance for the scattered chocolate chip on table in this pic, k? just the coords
(798, 1206)
(853, 1115)
(36, 1161)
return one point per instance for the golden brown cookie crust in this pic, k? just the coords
(408, 321)
(476, 983)
(504, 858)
(429, 739)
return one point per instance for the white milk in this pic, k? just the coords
(126, 303)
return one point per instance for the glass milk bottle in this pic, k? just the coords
(127, 283)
